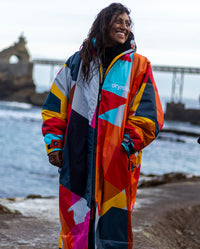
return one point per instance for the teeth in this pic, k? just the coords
(120, 33)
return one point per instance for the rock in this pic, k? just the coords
(171, 139)
(16, 81)
(155, 180)
(178, 112)
(5, 210)
(38, 99)
(32, 196)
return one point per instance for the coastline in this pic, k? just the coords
(163, 218)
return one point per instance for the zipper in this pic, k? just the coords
(101, 80)
(91, 243)
(131, 165)
(95, 145)
(91, 236)
(93, 207)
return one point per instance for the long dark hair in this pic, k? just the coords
(98, 33)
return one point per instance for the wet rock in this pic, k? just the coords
(180, 132)
(11, 199)
(5, 210)
(155, 180)
(38, 99)
(171, 139)
(32, 196)
(177, 111)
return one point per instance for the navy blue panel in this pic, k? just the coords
(65, 170)
(75, 155)
(73, 63)
(52, 103)
(112, 230)
(147, 107)
(90, 162)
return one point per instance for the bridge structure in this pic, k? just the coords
(177, 71)
(51, 62)
(177, 79)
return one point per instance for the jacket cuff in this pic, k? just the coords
(53, 142)
(55, 145)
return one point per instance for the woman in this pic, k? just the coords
(102, 110)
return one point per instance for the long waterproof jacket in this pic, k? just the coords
(88, 120)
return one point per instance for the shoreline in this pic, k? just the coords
(163, 218)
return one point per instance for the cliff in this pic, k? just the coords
(16, 82)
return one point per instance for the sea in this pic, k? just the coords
(24, 166)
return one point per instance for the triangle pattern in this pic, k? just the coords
(107, 105)
(126, 57)
(114, 116)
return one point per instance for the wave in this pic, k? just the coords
(19, 111)
(15, 105)
(182, 126)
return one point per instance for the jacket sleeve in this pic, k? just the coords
(145, 117)
(54, 111)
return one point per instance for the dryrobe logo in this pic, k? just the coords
(120, 88)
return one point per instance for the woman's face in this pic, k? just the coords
(119, 30)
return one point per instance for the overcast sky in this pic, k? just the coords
(167, 32)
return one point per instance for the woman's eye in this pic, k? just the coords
(121, 22)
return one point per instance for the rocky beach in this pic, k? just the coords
(166, 216)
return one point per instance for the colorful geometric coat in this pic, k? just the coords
(88, 120)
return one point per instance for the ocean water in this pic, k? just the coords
(24, 167)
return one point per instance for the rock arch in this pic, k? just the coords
(18, 49)
(16, 81)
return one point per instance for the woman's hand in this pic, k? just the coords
(55, 158)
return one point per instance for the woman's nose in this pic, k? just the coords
(123, 25)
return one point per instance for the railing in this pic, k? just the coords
(176, 69)
(170, 69)
(177, 79)
(48, 62)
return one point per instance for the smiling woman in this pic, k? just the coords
(102, 110)
(112, 27)
(119, 30)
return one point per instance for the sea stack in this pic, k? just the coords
(16, 80)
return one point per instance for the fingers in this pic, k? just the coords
(55, 158)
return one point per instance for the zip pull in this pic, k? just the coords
(131, 165)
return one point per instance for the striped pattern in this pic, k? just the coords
(92, 149)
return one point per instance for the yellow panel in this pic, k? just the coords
(140, 119)
(118, 201)
(46, 114)
(56, 91)
(138, 97)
